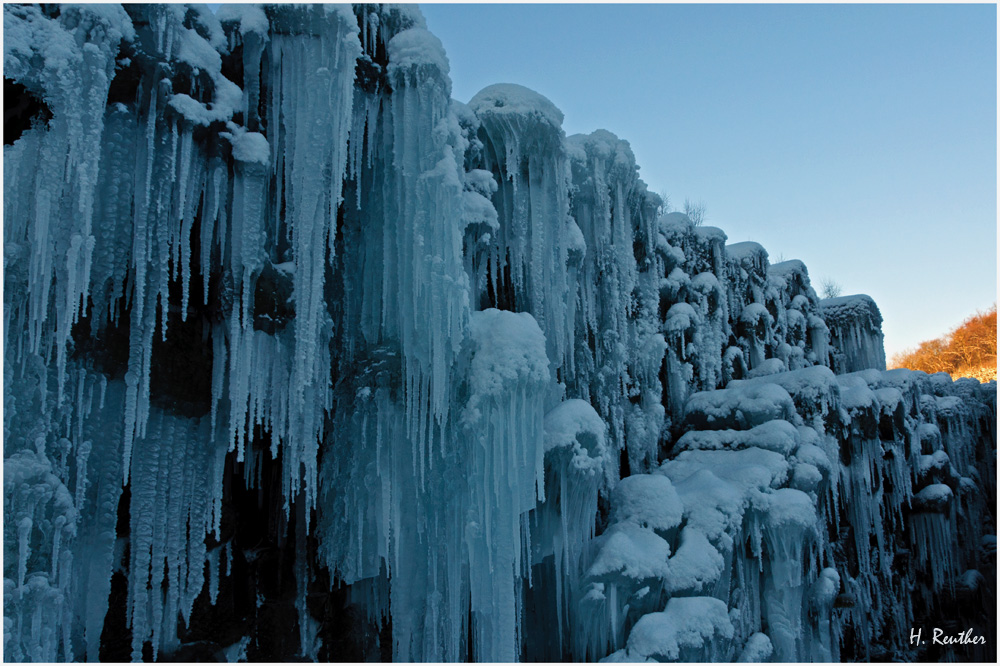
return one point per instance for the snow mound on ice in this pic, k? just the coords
(510, 99)
(648, 500)
(687, 622)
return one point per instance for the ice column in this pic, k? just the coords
(524, 149)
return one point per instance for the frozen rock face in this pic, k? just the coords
(811, 491)
(620, 347)
(305, 359)
(855, 325)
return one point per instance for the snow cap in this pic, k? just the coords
(504, 99)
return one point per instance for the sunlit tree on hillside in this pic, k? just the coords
(970, 350)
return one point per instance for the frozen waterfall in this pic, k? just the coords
(304, 359)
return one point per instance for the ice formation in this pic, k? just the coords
(305, 359)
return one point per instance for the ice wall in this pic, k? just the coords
(295, 344)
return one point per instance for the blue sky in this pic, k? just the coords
(860, 139)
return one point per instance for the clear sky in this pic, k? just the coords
(860, 139)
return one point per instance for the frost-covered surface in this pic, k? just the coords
(298, 348)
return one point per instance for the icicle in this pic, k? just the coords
(59, 523)
(24, 550)
(131, 391)
(213, 575)
(82, 455)
(315, 166)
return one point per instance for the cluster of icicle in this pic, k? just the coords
(452, 324)
(855, 332)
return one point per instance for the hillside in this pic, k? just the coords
(968, 350)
